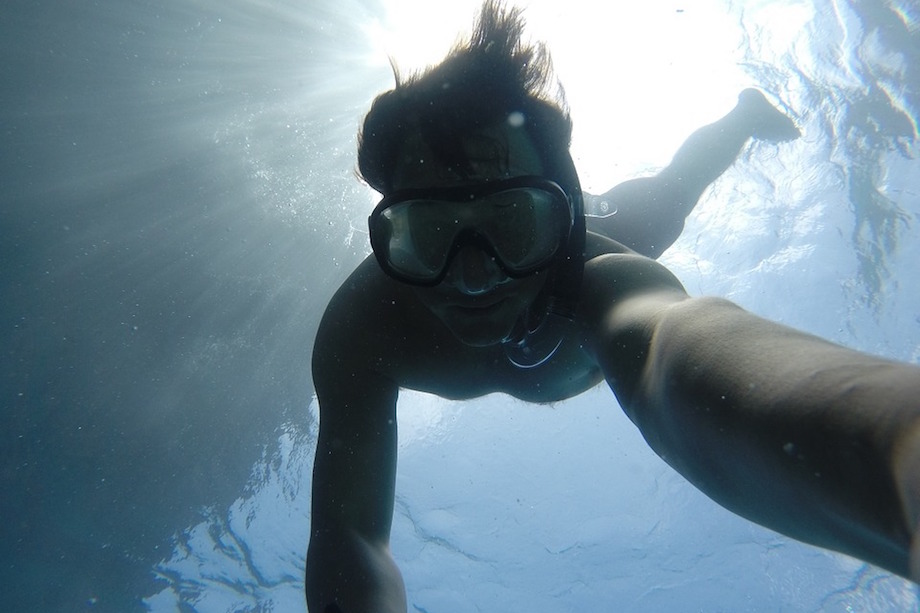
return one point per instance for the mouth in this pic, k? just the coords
(479, 306)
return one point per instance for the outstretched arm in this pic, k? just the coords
(349, 566)
(647, 214)
(798, 434)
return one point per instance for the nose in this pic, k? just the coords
(474, 272)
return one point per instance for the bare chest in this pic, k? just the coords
(458, 372)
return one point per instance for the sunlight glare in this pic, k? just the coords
(640, 76)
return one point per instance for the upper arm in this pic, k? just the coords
(623, 300)
(354, 470)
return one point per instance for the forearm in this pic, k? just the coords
(798, 434)
(347, 574)
(349, 566)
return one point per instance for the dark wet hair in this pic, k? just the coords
(480, 83)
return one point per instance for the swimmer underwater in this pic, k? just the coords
(484, 279)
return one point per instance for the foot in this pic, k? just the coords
(767, 122)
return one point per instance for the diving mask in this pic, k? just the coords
(523, 223)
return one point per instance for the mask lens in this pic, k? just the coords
(521, 222)
(419, 236)
(523, 226)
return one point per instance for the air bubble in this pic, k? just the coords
(516, 119)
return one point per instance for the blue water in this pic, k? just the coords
(177, 204)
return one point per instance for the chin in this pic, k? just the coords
(487, 320)
(479, 338)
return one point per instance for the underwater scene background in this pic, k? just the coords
(178, 203)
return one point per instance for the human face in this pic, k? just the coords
(476, 300)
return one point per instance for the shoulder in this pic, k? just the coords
(358, 323)
(621, 285)
(611, 269)
(598, 244)
(375, 326)
(624, 299)
(366, 296)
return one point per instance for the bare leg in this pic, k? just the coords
(647, 214)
